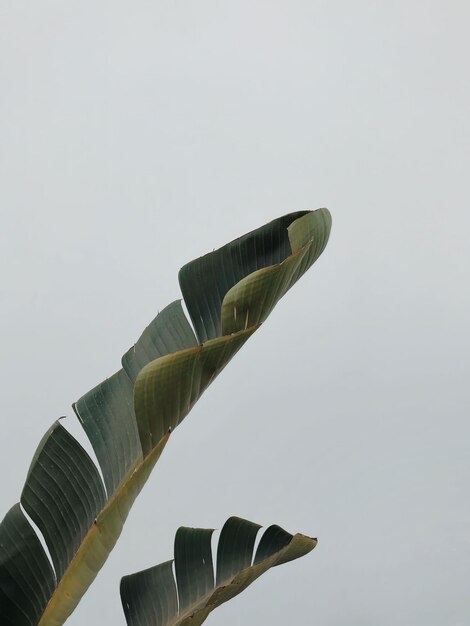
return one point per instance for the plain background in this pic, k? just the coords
(136, 136)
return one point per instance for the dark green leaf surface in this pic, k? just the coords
(107, 411)
(205, 281)
(148, 597)
(252, 299)
(98, 543)
(193, 564)
(169, 332)
(235, 550)
(274, 539)
(107, 415)
(27, 580)
(63, 495)
(152, 609)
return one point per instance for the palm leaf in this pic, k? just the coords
(153, 597)
(128, 417)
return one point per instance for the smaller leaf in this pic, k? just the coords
(152, 597)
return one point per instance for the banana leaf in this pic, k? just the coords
(128, 418)
(152, 597)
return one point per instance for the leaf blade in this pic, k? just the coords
(194, 575)
(167, 388)
(205, 281)
(98, 543)
(26, 577)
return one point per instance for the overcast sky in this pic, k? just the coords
(136, 136)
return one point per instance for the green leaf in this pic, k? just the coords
(167, 389)
(205, 281)
(251, 300)
(27, 579)
(128, 417)
(107, 411)
(169, 332)
(63, 495)
(98, 543)
(152, 598)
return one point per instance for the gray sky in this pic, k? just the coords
(136, 136)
